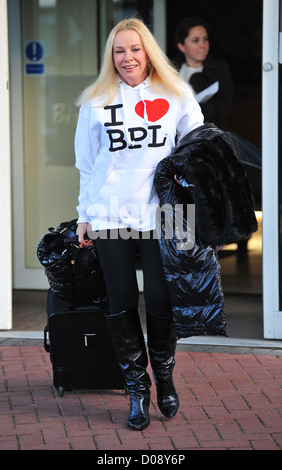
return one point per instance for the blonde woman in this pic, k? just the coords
(129, 120)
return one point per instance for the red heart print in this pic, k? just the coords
(155, 109)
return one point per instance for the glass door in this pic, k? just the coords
(55, 52)
(59, 58)
(60, 44)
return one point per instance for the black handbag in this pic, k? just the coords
(73, 273)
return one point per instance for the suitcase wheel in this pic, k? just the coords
(61, 391)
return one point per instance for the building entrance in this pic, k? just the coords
(235, 35)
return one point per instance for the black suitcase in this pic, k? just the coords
(81, 350)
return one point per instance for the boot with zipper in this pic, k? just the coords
(128, 340)
(162, 345)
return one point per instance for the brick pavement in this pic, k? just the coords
(228, 401)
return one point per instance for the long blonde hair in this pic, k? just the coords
(162, 74)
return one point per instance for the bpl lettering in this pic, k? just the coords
(136, 134)
(117, 141)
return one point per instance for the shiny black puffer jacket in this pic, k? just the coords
(224, 212)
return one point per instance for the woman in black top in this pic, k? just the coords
(210, 77)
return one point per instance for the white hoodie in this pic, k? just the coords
(118, 148)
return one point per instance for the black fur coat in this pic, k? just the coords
(224, 212)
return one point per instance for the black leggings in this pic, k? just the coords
(117, 257)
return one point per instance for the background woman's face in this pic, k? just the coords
(130, 57)
(196, 46)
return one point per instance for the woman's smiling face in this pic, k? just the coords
(130, 57)
(196, 46)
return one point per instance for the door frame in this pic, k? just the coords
(270, 97)
(5, 176)
(28, 278)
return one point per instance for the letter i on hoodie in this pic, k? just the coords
(118, 147)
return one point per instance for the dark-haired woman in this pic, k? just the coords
(210, 77)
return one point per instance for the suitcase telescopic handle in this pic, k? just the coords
(46, 339)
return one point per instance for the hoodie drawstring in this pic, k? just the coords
(144, 102)
(125, 123)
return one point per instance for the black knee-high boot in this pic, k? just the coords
(128, 340)
(162, 345)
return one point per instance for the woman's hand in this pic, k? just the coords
(177, 180)
(80, 232)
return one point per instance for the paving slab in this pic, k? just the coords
(228, 401)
